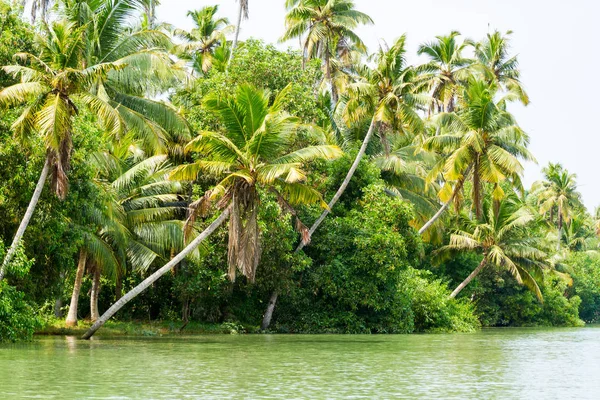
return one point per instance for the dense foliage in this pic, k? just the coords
(410, 176)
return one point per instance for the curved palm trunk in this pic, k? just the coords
(26, 218)
(445, 206)
(236, 37)
(344, 185)
(363, 148)
(152, 278)
(269, 313)
(469, 279)
(72, 316)
(94, 314)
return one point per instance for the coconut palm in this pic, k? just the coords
(385, 95)
(492, 55)
(557, 196)
(52, 87)
(502, 236)
(201, 43)
(243, 13)
(480, 140)
(146, 68)
(446, 71)
(250, 157)
(405, 168)
(138, 221)
(329, 28)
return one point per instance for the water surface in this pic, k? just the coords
(491, 364)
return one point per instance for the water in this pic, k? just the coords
(491, 364)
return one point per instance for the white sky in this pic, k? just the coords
(551, 38)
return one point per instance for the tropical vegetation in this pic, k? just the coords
(149, 172)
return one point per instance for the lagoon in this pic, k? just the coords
(507, 363)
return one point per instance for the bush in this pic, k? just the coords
(18, 321)
(501, 301)
(362, 279)
(432, 309)
(585, 270)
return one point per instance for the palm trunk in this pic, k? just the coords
(94, 314)
(441, 211)
(269, 313)
(72, 316)
(477, 191)
(469, 278)
(363, 148)
(236, 37)
(58, 303)
(26, 218)
(329, 77)
(560, 226)
(342, 188)
(152, 278)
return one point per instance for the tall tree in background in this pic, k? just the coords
(557, 196)
(329, 28)
(201, 42)
(243, 13)
(492, 55)
(446, 71)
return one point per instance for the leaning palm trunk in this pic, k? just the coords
(26, 218)
(344, 185)
(442, 210)
(469, 279)
(94, 314)
(152, 278)
(72, 316)
(363, 148)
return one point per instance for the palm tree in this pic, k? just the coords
(386, 95)
(557, 195)
(503, 238)
(201, 42)
(405, 169)
(481, 140)
(249, 158)
(91, 57)
(446, 71)
(329, 28)
(492, 55)
(136, 224)
(242, 13)
(145, 68)
(51, 86)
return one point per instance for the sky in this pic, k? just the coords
(551, 37)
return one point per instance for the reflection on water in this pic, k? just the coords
(494, 363)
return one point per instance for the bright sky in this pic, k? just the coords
(551, 38)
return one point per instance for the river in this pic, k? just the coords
(490, 364)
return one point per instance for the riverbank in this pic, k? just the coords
(56, 327)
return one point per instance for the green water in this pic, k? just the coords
(491, 364)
